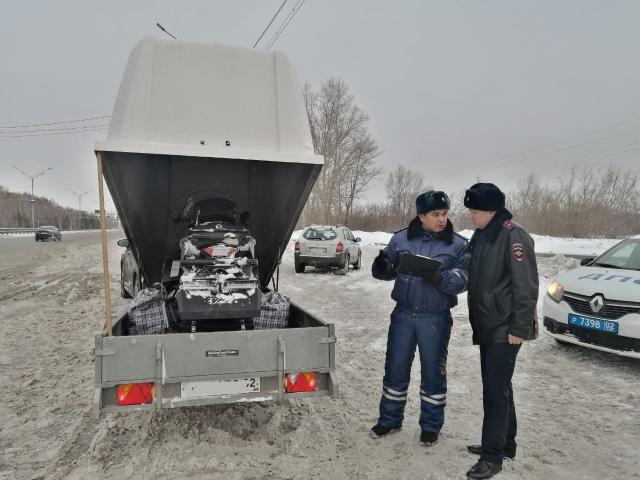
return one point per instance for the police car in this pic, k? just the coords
(598, 304)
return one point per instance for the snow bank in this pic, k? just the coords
(544, 244)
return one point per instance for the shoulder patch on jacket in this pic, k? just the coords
(509, 225)
(517, 249)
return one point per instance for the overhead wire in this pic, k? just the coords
(591, 159)
(11, 132)
(66, 132)
(270, 22)
(56, 123)
(559, 153)
(523, 154)
(285, 23)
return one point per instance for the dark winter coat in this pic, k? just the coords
(503, 282)
(415, 293)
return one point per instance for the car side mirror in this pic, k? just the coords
(124, 243)
(586, 261)
(358, 239)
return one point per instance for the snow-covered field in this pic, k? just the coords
(544, 244)
(578, 408)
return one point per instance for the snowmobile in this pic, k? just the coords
(218, 286)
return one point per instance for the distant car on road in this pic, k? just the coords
(48, 232)
(327, 246)
(598, 304)
(129, 273)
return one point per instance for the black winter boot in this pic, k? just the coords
(483, 469)
(428, 439)
(379, 431)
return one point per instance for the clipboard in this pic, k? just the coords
(417, 265)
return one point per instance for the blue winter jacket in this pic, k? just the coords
(414, 293)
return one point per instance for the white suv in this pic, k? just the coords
(327, 246)
(598, 304)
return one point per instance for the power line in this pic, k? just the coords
(57, 123)
(165, 31)
(270, 22)
(562, 151)
(600, 157)
(84, 130)
(12, 132)
(524, 153)
(609, 157)
(285, 23)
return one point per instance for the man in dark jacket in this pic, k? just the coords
(502, 297)
(422, 315)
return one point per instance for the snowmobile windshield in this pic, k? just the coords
(319, 234)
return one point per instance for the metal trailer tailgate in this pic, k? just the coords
(214, 364)
(133, 358)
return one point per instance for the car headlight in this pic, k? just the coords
(555, 291)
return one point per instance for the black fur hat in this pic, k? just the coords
(432, 200)
(484, 196)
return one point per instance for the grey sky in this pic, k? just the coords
(455, 89)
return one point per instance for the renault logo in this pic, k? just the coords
(596, 303)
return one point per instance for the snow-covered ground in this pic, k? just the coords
(578, 408)
(544, 244)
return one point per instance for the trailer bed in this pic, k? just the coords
(186, 368)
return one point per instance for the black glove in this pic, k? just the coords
(380, 262)
(382, 268)
(433, 278)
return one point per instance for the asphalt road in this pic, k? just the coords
(24, 250)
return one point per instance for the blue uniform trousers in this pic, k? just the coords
(430, 333)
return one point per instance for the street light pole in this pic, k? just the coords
(33, 199)
(79, 195)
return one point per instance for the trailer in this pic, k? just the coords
(191, 118)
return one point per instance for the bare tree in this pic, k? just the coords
(403, 186)
(339, 129)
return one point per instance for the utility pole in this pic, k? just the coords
(79, 195)
(33, 199)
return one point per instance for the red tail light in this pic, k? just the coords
(340, 247)
(220, 251)
(134, 393)
(300, 382)
(297, 246)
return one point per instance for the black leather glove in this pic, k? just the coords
(434, 278)
(382, 268)
(380, 262)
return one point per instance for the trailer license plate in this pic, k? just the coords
(220, 387)
(593, 323)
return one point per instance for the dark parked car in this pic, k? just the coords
(129, 274)
(48, 233)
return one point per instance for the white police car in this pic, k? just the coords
(598, 304)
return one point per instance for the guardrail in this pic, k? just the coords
(9, 231)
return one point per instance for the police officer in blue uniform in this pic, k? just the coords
(422, 315)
